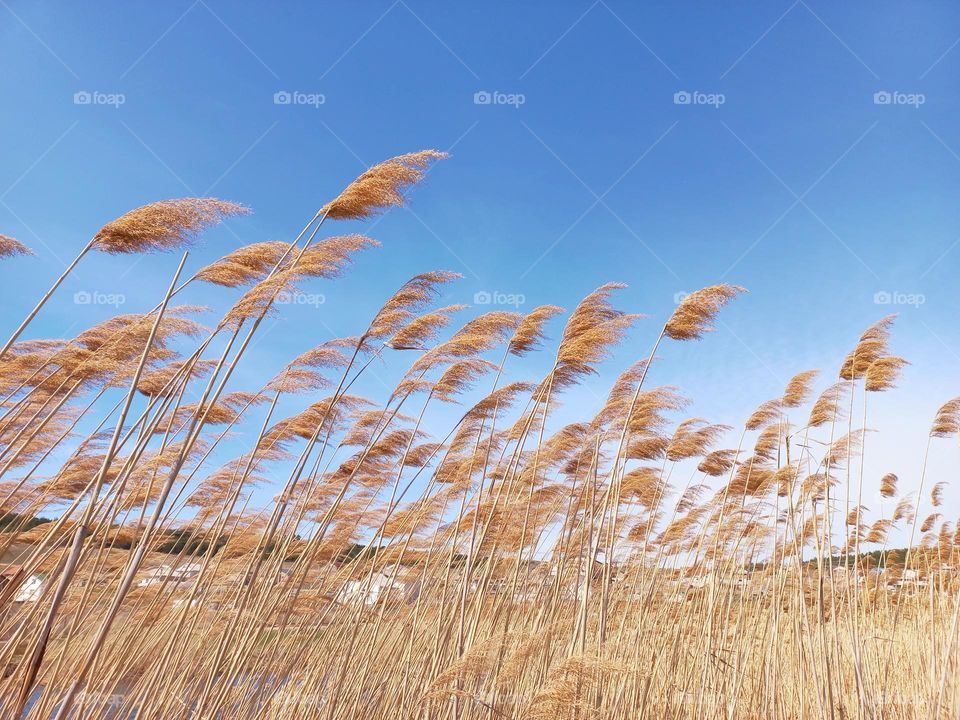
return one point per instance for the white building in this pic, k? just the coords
(174, 576)
(386, 584)
(32, 588)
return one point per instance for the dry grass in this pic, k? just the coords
(626, 565)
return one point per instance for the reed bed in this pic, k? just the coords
(635, 563)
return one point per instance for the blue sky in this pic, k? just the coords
(786, 172)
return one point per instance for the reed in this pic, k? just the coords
(297, 550)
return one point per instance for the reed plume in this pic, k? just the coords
(165, 225)
(888, 485)
(381, 187)
(11, 246)
(798, 389)
(947, 420)
(244, 266)
(883, 372)
(696, 313)
(872, 346)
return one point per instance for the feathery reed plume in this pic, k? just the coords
(785, 478)
(330, 257)
(381, 186)
(826, 409)
(412, 297)
(798, 389)
(423, 329)
(594, 327)
(164, 225)
(871, 347)
(752, 477)
(621, 396)
(883, 373)
(717, 463)
(842, 449)
(159, 382)
(11, 246)
(768, 442)
(259, 299)
(878, 532)
(158, 226)
(855, 513)
(904, 511)
(696, 312)
(936, 494)
(326, 356)
(947, 420)
(767, 412)
(327, 259)
(648, 410)
(888, 485)
(529, 333)
(642, 485)
(302, 374)
(567, 687)
(483, 333)
(244, 266)
(500, 399)
(459, 377)
(693, 438)
(929, 522)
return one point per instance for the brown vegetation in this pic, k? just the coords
(625, 565)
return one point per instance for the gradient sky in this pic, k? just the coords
(792, 178)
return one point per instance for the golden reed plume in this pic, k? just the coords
(10, 246)
(381, 186)
(697, 311)
(164, 225)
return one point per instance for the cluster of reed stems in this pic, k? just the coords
(630, 564)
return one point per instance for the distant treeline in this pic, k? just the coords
(20, 522)
(174, 541)
(894, 558)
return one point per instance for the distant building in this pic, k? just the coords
(175, 576)
(385, 585)
(32, 588)
(910, 578)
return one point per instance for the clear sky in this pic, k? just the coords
(806, 150)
